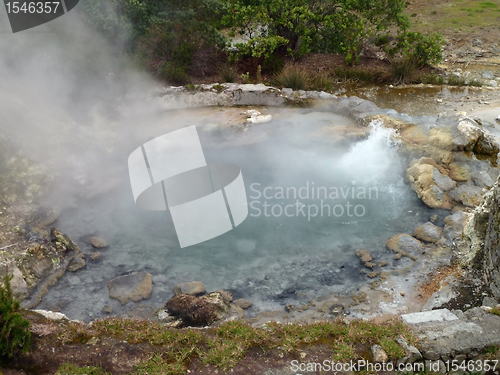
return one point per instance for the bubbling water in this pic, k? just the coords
(312, 202)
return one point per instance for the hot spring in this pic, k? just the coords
(313, 200)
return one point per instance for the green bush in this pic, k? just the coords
(14, 329)
(422, 49)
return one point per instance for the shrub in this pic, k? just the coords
(422, 49)
(320, 82)
(453, 80)
(228, 72)
(293, 77)
(14, 332)
(403, 70)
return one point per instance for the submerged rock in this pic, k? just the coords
(135, 287)
(243, 303)
(198, 311)
(428, 232)
(191, 288)
(98, 242)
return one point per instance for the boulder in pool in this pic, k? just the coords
(405, 245)
(98, 242)
(428, 232)
(191, 288)
(133, 287)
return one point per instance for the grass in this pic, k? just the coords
(475, 83)
(293, 77)
(228, 72)
(355, 74)
(456, 14)
(226, 345)
(495, 310)
(403, 70)
(456, 81)
(71, 369)
(431, 79)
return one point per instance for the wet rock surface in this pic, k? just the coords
(134, 287)
(428, 232)
(192, 288)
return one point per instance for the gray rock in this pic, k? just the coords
(432, 355)
(135, 287)
(469, 196)
(488, 75)
(98, 242)
(192, 288)
(441, 315)
(287, 91)
(487, 145)
(444, 295)
(405, 244)
(443, 182)
(108, 309)
(428, 232)
(379, 354)
(482, 179)
(325, 96)
(413, 354)
(18, 284)
(492, 83)
(490, 302)
(457, 219)
(435, 366)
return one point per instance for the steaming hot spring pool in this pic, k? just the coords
(276, 256)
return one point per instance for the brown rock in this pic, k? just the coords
(460, 172)
(198, 311)
(364, 255)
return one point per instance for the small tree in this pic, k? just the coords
(14, 332)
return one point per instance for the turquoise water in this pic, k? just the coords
(286, 247)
